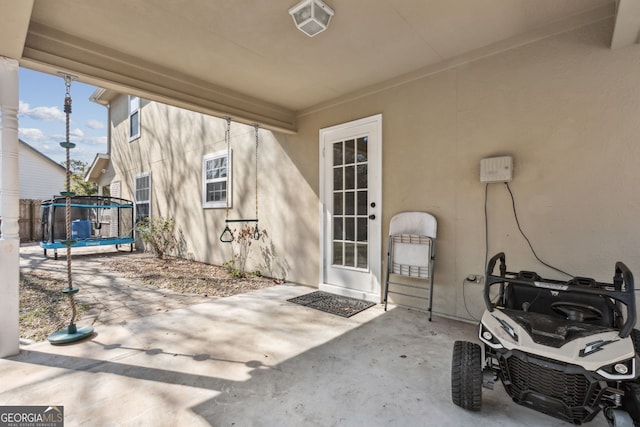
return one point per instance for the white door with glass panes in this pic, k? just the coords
(350, 169)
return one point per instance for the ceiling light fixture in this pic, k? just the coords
(311, 16)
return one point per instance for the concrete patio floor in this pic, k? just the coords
(257, 360)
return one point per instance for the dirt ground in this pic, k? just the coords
(43, 308)
(185, 276)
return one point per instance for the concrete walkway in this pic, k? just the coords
(257, 360)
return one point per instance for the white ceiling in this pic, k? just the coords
(245, 58)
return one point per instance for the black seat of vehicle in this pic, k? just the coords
(539, 300)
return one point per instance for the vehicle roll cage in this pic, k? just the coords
(621, 290)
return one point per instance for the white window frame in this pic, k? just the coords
(228, 179)
(134, 109)
(135, 194)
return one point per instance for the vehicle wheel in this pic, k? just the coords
(631, 401)
(618, 418)
(466, 375)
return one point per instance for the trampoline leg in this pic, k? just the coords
(55, 254)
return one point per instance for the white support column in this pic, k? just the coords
(9, 208)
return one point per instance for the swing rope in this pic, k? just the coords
(71, 333)
(67, 145)
(227, 138)
(227, 235)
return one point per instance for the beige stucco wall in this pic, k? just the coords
(171, 147)
(566, 108)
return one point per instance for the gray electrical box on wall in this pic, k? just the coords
(496, 169)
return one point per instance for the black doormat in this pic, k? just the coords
(334, 304)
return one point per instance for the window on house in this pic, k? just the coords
(143, 196)
(134, 117)
(215, 171)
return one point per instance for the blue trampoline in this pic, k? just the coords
(95, 221)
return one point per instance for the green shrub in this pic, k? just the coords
(158, 234)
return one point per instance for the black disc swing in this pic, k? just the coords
(227, 235)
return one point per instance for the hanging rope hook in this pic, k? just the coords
(67, 83)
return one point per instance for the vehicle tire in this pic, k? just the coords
(466, 375)
(618, 418)
(631, 401)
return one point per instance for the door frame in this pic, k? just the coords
(375, 247)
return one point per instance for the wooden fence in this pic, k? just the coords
(29, 222)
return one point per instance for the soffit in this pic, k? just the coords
(13, 31)
(249, 54)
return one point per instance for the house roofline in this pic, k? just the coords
(100, 162)
(44, 156)
(103, 96)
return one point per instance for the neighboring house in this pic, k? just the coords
(564, 107)
(40, 176)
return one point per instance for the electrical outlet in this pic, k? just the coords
(475, 278)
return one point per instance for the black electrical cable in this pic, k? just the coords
(515, 214)
(486, 227)
(486, 253)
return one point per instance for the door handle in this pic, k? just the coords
(372, 216)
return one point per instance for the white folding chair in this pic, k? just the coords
(411, 253)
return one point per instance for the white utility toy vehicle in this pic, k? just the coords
(566, 349)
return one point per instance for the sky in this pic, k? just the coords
(41, 118)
